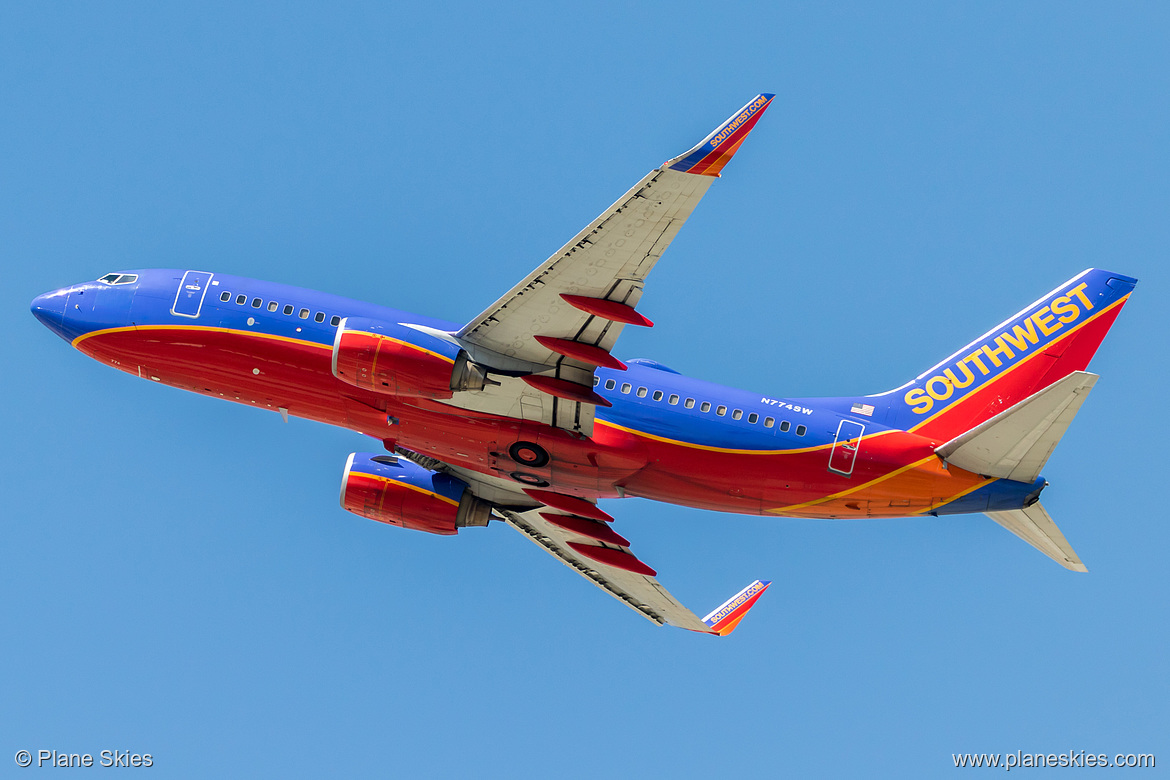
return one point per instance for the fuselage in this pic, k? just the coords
(666, 437)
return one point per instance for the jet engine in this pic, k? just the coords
(398, 492)
(385, 357)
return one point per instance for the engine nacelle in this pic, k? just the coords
(389, 358)
(398, 492)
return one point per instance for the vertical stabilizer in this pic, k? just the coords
(1044, 343)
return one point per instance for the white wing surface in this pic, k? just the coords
(578, 533)
(561, 321)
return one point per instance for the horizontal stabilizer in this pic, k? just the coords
(1015, 444)
(1035, 527)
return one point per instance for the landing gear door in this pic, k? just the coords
(189, 298)
(844, 452)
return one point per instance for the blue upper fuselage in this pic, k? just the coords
(647, 397)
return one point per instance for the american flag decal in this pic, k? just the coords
(865, 409)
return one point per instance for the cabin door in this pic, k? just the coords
(844, 452)
(189, 298)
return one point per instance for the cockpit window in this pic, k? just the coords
(119, 278)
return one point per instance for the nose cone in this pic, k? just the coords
(50, 309)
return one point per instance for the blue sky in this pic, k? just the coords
(178, 578)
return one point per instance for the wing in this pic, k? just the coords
(588, 546)
(561, 321)
(578, 533)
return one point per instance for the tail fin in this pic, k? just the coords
(1050, 339)
(1034, 526)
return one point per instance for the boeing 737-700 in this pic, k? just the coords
(522, 414)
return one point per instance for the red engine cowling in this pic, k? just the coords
(399, 492)
(389, 358)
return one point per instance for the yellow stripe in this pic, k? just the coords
(424, 491)
(207, 328)
(403, 343)
(1039, 351)
(709, 448)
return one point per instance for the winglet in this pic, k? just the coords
(713, 152)
(727, 616)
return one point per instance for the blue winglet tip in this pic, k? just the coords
(714, 151)
(728, 615)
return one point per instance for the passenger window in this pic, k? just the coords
(256, 303)
(288, 308)
(721, 410)
(225, 295)
(689, 403)
(610, 384)
(769, 422)
(241, 300)
(304, 314)
(626, 387)
(335, 321)
(641, 392)
(736, 414)
(657, 395)
(273, 306)
(673, 400)
(705, 406)
(319, 316)
(596, 380)
(800, 430)
(784, 426)
(753, 418)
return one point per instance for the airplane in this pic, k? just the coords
(523, 414)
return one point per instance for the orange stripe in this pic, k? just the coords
(854, 489)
